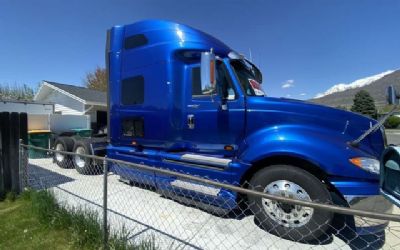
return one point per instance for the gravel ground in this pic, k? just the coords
(146, 214)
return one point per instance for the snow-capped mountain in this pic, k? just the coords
(356, 84)
(343, 94)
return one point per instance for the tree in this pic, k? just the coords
(97, 80)
(363, 103)
(16, 92)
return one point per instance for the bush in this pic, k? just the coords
(392, 122)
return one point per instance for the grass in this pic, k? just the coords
(20, 229)
(34, 220)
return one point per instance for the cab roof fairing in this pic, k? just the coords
(178, 36)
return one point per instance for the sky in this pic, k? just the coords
(301, 47)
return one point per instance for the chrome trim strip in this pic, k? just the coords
(206, 159)
(193, 164)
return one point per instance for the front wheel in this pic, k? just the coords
(288, 221)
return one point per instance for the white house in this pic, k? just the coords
(75, 100)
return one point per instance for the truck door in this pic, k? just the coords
(215, 118)
(211, 134)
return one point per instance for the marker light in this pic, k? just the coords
(368, 164)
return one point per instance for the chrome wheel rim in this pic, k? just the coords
(287, 215)
(59, 156)
(79, 161)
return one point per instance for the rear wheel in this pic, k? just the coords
(293, 222)
(82, 163)
(63, 144)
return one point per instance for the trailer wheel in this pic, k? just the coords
(292, 222)
(63, 144)
(83, 164)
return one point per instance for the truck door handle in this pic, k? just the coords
(195, 106)
(190, 121)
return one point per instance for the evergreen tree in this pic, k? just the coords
(363, 103)
(16, 92)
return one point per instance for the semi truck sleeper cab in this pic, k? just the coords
(180, 99)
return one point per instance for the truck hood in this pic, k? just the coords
(344, 125)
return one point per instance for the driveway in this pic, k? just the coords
(393, 136)
(146, 214)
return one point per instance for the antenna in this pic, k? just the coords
(251, 58)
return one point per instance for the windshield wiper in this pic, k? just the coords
(372, 129)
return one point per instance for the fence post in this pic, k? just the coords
(20, 165)
(105, 223)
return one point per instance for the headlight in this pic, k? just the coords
(368, 164)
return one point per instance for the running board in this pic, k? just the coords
(208, 190)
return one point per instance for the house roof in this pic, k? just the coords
(82, 94)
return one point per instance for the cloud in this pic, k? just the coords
(288, 95)
(303, 94)
(288, 84)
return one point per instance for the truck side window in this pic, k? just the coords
(132, 90)
(197, 88)
(224, 85)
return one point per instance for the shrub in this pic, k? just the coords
(392, 122)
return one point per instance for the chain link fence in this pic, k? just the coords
(192, 212)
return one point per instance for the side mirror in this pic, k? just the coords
(392, 96)
(207, 68)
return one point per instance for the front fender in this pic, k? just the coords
(326, 149)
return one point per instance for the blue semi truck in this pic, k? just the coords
(180, 99)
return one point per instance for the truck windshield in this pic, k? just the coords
(247, 77)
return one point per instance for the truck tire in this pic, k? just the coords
(82, 164)
(63, 144)
(292, 222)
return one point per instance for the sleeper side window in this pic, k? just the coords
(133, 127)
(132, 90)
(135, 41)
